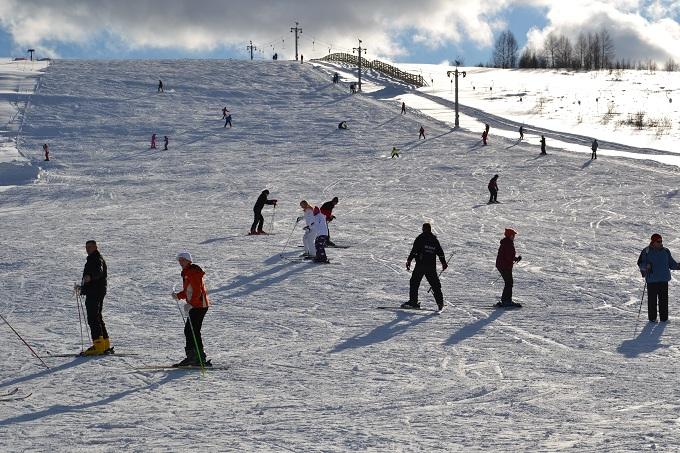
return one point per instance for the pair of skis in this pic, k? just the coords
(13, 395)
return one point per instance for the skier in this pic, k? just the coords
(165, 143)
(425, 250)
(543, 145)
(493, 190)
(327, 211)
(257, 210)
(160, 86)
(310, 234)
(594, 147)
(46, 150)
(224, 112)
(336, 77)
(352, 88)
(93, 287)
(485, 134)
(403, 108)
(655, 262)
(521, 133)
(504, 261)
(321, 233)
(421, 133)
(153, 141)
(302, 58)
(193, 291)
(395, 152)
(342, 125)
(227, 119)
(275, 57)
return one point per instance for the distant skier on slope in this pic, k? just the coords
(46, 150)
(493, 190)
(160, 86)
(655, 262)
(395, 152)
(165, 142)
(327, 210)
(342, 125)
(543, 145)
(403, 108)
(258, 223)
(321, 232)
(93, 287)
(421, 133)
(594, 147)
(153, 141)
(521, 133)
(227, 119)
(336, 77)
(310, 233)
(196, 296)
(425, 250)
(224, 112)
(504, 261)
(485, 135)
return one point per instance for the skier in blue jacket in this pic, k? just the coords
(655, 263)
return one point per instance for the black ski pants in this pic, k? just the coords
(657, 291)
(430, 273)
(493, 195)
(320, 245)
(195, 317)
(93, 305)
(507, 289)
(258, 223)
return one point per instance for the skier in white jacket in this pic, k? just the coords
(321, 229)
(310, 234)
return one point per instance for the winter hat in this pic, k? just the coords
(335, 199)
(304, 204)
(427, 228)
(510, 232)
(656, 237)
(265, 191)
(186, 255)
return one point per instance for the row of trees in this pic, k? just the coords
(591, 51)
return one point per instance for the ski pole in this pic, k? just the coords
(289, 236)
(273, 214)
(440, 273)
(80, 318)
(640, 309)
(24, 341)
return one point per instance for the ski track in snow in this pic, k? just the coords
(313, 366)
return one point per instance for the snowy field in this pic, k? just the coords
(312, 364)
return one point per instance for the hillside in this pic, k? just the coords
(312, 365)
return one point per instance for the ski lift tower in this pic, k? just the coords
(456, 73)
(31, 52)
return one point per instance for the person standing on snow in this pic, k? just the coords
(153, 141)
(493, 190)
(421, 133)
(425, 250)
(227, 119)
(403, 108)
(93, 287)
(521, 133)
(258, 223)
(327, 211)
(310, 234)
(504, 261)
(194, 292)
(594, 147)
(395, 152)
(165, 143)
(543, 145)
(655, 263)
(321, 233)
(485, 134)
(224, 112)
(160, 86)
(46, 150)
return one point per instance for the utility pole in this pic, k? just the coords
(456, 73)
(297, 30)
(251, 47)
(31, 52)
(359, 49)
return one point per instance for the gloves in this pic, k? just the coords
(332, 217)
(305, 228)
(518, 259)
(298, 219)
(275, 201)
(643, 273)
(187, 309)
(174, 296)
(408, 265)
(444, 266)
(77, 289)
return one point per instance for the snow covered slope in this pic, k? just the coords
(312, 365)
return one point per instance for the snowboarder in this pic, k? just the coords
(421, 133)
(160, 86)
(193, 291)
(258, 223)
(321, 233)
(165, 143)
(342, 125)
(403, 108)
(521, 133)
(485, 134)
(153, 141)
(46, 150)
(310, 234)
(224, 112)
(227, 119)
(327, 211)
(425, 250)
(655, 263)
(395, 152)
(504, 261)
(543, 145)
(493, 190)
(93, 287)
(594, 147)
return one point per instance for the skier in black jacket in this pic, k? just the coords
(258, 223)
(93, 287)
(327, 210)
(425, 250)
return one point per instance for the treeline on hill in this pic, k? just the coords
(591, 51)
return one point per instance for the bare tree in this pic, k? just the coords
(671, 65)
(550, 49)
(581, 50)
(505, 51)
(606, 49)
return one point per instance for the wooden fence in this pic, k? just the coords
(377, 65)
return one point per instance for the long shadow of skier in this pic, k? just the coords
(474, 328)
(75, 362)
(261, 280)
(403, 321)
(60, 409)
(649, 340)
(587, 163)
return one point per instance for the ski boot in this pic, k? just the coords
(411, 305)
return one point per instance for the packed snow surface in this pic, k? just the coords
(311, 364)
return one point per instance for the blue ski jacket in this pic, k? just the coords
(656, 265)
